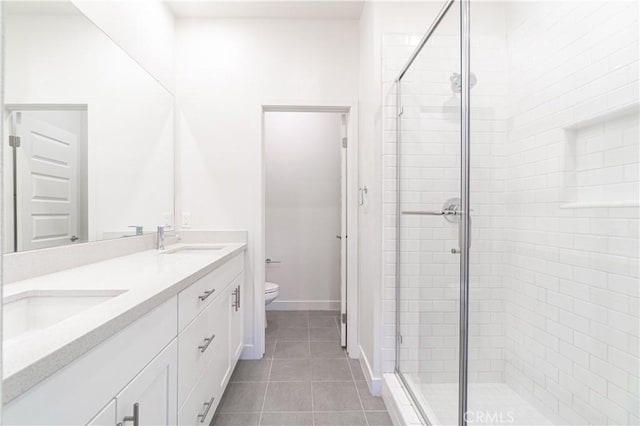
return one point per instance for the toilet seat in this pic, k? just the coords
(270, 287)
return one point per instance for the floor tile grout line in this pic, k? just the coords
(266, 389)
(313, 416)
(357, 392)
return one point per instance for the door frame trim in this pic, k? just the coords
(350, 108)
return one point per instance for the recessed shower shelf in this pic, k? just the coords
(601, 160)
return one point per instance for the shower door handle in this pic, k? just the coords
(460, 243)
(451, 207)
(431, 213)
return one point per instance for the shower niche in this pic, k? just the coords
(601, 160)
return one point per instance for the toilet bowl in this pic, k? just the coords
(270, 294)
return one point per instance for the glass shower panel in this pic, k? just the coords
(429, 184)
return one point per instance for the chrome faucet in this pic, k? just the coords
(160, 238)
(139, 229)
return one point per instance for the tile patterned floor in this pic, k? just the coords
(304, 379)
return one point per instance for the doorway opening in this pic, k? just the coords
(309, 222)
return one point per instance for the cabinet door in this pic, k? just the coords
(106, 417)
(220, 366)
(154, 390)
(236, 319)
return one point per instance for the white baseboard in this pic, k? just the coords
(374, 382)
(304, 305)
(248, 352)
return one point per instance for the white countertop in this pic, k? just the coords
(147, 278)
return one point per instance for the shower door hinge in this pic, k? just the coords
(14, 141)
(400, 338)
(344, 318)
(401, 111)
(344, 141)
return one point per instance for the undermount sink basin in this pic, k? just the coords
(195, 249)
(36, 310)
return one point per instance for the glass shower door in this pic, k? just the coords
(429, 221)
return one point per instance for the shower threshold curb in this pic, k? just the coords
(398, 403)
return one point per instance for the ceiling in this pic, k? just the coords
(266, 9)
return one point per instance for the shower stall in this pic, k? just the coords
(517, 214)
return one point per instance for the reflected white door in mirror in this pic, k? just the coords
(47, 206)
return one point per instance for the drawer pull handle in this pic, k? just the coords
(208, 405)
(236, 299)
(135, 418)
(206, 294)
(207, 342)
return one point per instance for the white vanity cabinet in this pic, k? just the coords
(78, 392)
(209, 348)
(205, 341)
(169, 366)
(149, 399)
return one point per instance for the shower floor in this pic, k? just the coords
(488, 404)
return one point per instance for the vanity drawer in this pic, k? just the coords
(200, 294)
(203, 345)
(202, 402)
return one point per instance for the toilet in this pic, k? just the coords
(270, 294)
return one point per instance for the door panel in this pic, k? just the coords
(154, 390)
(47, 182)
(343, 233)
(429, 193)
(236, 318)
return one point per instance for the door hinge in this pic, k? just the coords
(344, 318)
(344, 141)
(401, 111)
(400, 338)
(14, 141)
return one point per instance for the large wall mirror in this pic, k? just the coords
(88, 149)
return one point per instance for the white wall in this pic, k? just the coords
(65, 59)
(369, 214)
(143, 28)
(226, 69)
(303, 208)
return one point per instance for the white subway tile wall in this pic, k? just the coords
(571, 287)
(554, 265)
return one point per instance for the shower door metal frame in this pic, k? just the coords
(465, 196)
